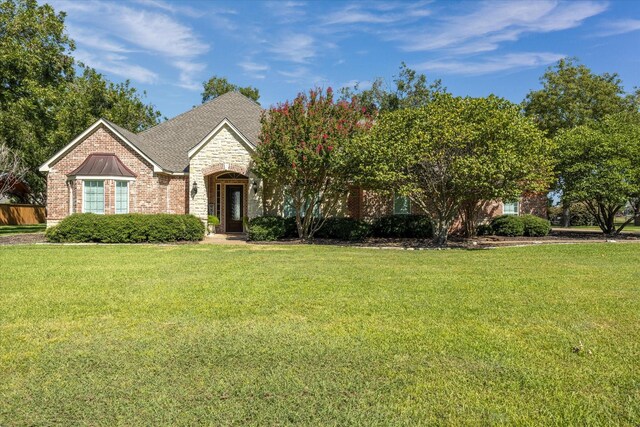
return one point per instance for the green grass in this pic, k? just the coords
(6, 230)
(630, 228)
(279, 335)
(627, 229)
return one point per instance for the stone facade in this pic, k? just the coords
(225, 151)
(149, 193)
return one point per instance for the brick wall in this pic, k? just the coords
(149, 193)
(373, 204)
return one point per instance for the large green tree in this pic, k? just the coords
(572, 95)
(43, 103)
(454, 153)
(216, 86)
(305, 150)
(408, 90)
(35, 66)
(89, 97)
(599, 164)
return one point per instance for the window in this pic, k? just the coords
(218, 202)
(290, 211)
(122, 197)
(401, 205)
(93, 197)
(511, 208)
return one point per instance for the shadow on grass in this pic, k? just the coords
(6, 230)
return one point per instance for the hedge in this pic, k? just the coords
(344, 229)
(525, 225)
(535, 226)
(270, 228)
(126, 228)
(408, 226)
(508, 225)
(266, 228)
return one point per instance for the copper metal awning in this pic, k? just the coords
(103, 164)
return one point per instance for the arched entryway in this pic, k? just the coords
(228, 196)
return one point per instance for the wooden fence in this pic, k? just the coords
(21, 214)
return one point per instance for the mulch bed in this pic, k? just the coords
(484, 242)
(556, 236)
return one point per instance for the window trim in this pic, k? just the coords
(408, 204)
(115, 199)
(84, 196)
(517, 208)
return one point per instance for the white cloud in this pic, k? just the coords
(171, 7)
(103, 28)
(118, 65)
(286, 11)
(295, 47)
(620, 27)
(505, 62)
(188, 71)
(496, 22)
(159, 33)
(303, 76)
(358, 14)
(90, 39)
(254, 69)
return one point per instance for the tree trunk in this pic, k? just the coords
(566, 214)
(469, 214)
(636, 221)
(441, 233)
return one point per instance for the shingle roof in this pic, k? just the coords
(103, 164)
(169, 142)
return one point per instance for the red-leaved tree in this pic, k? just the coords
(304, 150)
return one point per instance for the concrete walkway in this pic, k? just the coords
(225, 239)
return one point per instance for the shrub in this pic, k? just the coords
(266, 228)
(290, 227)
(535, 226)
(411, 226)
(484, 229)
(508, 225)
(580, 215)
(213, 220)
(126, 228)
(344, 229)
(193, 228)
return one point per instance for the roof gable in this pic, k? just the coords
(167, 145)
(225, 122)
(113, 128)
(170, 142)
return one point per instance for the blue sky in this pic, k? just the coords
(283, 47)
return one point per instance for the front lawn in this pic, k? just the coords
(278, 335)
(6, 230)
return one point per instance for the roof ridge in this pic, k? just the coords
(211, 101)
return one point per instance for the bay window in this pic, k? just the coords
(93, 197)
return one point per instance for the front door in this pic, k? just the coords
(234, 208)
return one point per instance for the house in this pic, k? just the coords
(198, 162)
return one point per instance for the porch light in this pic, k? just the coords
(255, 187)
(194, 189)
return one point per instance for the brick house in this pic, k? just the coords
(198, 162)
